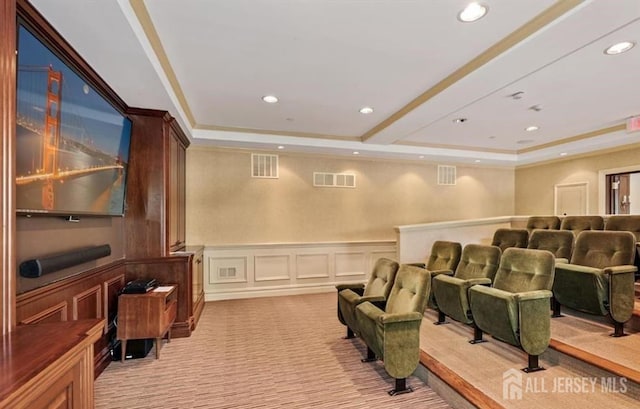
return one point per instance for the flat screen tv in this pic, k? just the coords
(72, 144)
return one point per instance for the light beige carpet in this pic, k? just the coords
(281, 352)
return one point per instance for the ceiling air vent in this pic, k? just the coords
(264, 166)
(322, 179)
(446, 175)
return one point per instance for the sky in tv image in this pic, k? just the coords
(72, 145)
(85, 115)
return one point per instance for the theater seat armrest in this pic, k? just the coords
(620, 269)
(577, 268)
(375, 299)
(561, 260)
(357, 288)
(401, 317)
(480, 281)
(351, 297)
(534, 320)
(421, 265)
(438, 272)
(533, 295)
(371, 311)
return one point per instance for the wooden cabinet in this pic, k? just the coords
(198, 279)
(184, 269)
(155, 204)
(60, 378)
(148, 315)
(194, 255)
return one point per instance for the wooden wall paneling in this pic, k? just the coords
(197, 280)
(7, 163)
(88, 303)
(146, 189)
(89, 295)
(111, 288)
(156, 193)
(43, 235)
(55, 313)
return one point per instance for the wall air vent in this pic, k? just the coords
(446, 175)
(227, 272)
(264, 166)
(323, 179)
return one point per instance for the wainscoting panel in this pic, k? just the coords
(55, 313)
(272, 268)
(312, 266)
(88, 304)
(353, 264)
(264, 270)
(226, 270)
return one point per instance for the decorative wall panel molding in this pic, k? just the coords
(226, 270)
(263, 270)
(271, 267)
(312, 266)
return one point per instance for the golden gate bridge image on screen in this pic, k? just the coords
(48, 159)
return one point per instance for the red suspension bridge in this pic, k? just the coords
(39, 113)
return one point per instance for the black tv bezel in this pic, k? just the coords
(52, 40)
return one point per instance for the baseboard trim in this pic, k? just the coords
(235, 294)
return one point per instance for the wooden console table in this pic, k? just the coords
(147, 315)
(49, 365)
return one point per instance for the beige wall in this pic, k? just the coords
(535, 184)
(226, 206)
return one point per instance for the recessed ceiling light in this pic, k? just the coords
(477, 161)
(473, 12)
(563, 154)
(619, 48)
(356, 153)
(280, 147)
(531, 128)
(460, 120)
(421, 157)
(270, 99)
(366, 110)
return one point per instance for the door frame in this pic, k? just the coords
(602, 184)
(561, 185)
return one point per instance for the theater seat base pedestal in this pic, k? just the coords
(441, 319)
(401, 387)
(477, 336)
(371, 356)
(618, 330)
(556, 307)
(534, 366)
(350, 334)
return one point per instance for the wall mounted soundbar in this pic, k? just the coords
(37, 267)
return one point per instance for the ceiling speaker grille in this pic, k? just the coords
(446, 175)
(264, 166)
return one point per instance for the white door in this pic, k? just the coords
(572, 199)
